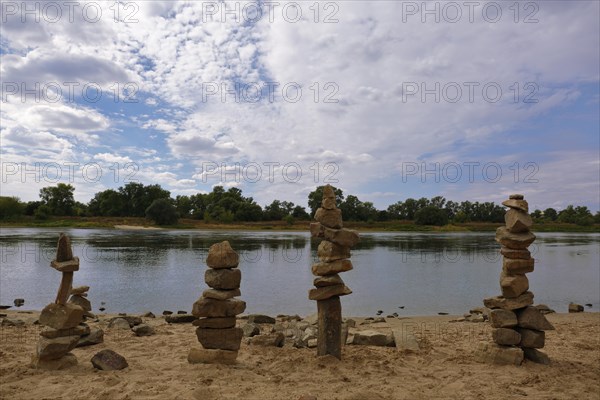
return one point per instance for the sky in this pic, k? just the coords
(384, 99)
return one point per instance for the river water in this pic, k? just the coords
(425, 273)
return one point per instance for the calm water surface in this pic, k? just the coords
(136, 271)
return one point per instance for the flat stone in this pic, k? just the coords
(63, 248)
(52, 333)
(329, 218)
(96, 336)
(503, 318)
(180, 318)
(513, 253)
(66, 266)
(524, 300)
(221, 255)
(199, 355)
(373, 338)
(224, 339)
(544, 309)
(516, 196)
(221, 294)
(59, 316)
(276, 339)
(215, 323)
(532, 338)
(513, 285)
(108, 360)
(342, 237)
(517, 221)
(329, 280)
(492, 353)
(516, 204)
(575, 308)
(131, 319)
(218, 308)
(506, 336)
(223, 279)
(143, 330)
(81, 302)
(80, 290)
(330, 268)
(532, 318)
(67, 361)
(517, 241)
(326, 292)
(12, 322)
(52, 349)
(517, 267)
(405, 341)
(536, 356)
(261, 319)
(119, 323)
(329, 251)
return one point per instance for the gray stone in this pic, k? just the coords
(343, 237)
(148, 314)
(517, 221)
(81, 302)
(517, 266)
(513, 285)
(224, 339)
(516, 196)
(66, 266)
(405, 341)
(517, 241)
(536, 356)
(119, 323)
(330, 268)
(180, 318)
(80, 290)
(19, 302)
(221, 294)
(503, 318)
(12, 322)
(523, 254)
(312, 319)
(532, 318)
(373, 338)
(199, 355)
(327, 292)
(544, 309)
(223, 279)
(524, 300)
(276, 339)
(221, 255)
(329, 218)
(52, 349)
(506, 336)
(215, 323)
(143, 330)
(63, 248)
(531, 338)
(218, 308)
(516, 204)
(250, 330)
(108, 360)
(500, 355)
(60, 316)
(131, 319)
(261, 319)
(96, 336)
(329, 251)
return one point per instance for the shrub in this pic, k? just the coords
(431, 215)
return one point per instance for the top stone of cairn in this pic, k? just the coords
(63, 249)
(328, 201)
(221, 255)
(516, 197)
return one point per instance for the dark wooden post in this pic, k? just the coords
(329, 340)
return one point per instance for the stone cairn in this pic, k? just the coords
(518, 325)
(217, 308)
(334, 254)
(61, 319)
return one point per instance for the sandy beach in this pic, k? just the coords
(444, 368)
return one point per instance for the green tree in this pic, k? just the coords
(108, 203)
(315, 197)
(59, 199)
(10, 207)
(184, 206)
(550, 214)
(162, 212)
(431, 215)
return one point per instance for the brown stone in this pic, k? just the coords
(513, 285)
(108, 360)
(517, 221)
(326, 292)
(516, 204)
(223, 279)
(329, 218)
(328, 192)
(516, 196)
(198, 355)
(66, 266)
(316, 229)
(221, 294)
(328, 204)
(524, 300)
(60, 316)
(513, 253)
(517, 267)
(503, 318)
(506, 336)
(324, 268)
(215, 323)
(204, 307)
(80, 290)
(501, 355)
(330, 280)
(52, 333)
(575, 308)
(63, 248)
(64, 362)
(276, 339)
(221, 255)
(343, 237)
(532, 318)
(536, 356)
(223, 339)
(517, 241)
(532, 338)
(51, 349)
(329, 251)
(81, 302)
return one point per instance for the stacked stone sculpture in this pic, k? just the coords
(62, 320)
(217, 308)
(518, 326)
(334, 254)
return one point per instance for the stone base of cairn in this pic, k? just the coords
(519, 328)
(62, 321)
(334, 254)
(217, 308)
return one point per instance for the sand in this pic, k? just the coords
(445, 368)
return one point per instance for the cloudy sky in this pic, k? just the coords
(385, 99)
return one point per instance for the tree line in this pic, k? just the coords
(220, 205)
